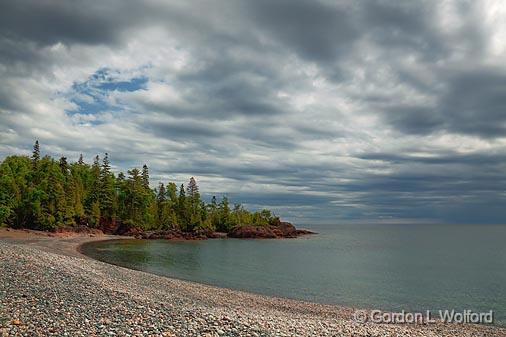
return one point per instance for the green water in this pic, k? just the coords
(387, 267)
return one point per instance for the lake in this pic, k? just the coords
(377, 266)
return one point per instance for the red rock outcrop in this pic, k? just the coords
(278, 231)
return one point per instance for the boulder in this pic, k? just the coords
(279, 230)
(251, 232)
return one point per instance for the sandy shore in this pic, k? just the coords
(47, 288)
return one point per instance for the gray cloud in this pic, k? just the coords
(316, 31)
(472, 102)
(49, 21)
(323, 111)
(475, 102)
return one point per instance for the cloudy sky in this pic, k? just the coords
(325, 111)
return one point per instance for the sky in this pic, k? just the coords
(323, 111)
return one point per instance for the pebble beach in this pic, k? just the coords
(47, 288)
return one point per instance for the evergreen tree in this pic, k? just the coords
(145, 176)
(193, 197)
(93, 199)
(121, 196)
(133, 195)
(44, 193)
(95, 213)
(162, 208)
(224, 209)
(36, 154)
(193, 190)
(182, 209)
(106, 190)
(172, 193)
(172, 205)
(162, 193)
(213, 213)
(77, 194)
(64, 166)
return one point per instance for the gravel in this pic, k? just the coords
(48, 294)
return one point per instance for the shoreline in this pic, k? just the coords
(32, 262)
(67, 243)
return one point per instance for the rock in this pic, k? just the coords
(251, 232)
(287, 229)
(279, 230)
(16, 322)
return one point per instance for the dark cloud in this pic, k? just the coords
(414, 119)
(475, 103)
(48, 22)
(405, 26)
(319, 109)
(316, 31)
(472, 102)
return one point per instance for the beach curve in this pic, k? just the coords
(49, 288)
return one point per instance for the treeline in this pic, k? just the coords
(44, 193)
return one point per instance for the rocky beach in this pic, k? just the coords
(47, 288)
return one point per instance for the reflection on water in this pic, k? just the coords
(394, 267)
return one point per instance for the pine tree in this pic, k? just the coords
(193, 197)
(224, 215)
(78, 197)
(193, 190)
(172, 193)
(36, 154)
(106, 165)
(93, 198)
(213, 213)
(162, 193)
(70, 200)
(96, 166)
(182, 213)
(55, 205)
(64, 166)
(106, 191)
(134, 196)
(95, 214)
(162, 208)
(145, 176)
(44, 193)
(120, 190)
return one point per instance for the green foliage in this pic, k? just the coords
(106, 193)
(44, 193)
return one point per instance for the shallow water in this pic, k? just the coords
(388, 267)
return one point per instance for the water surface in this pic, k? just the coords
(388, 267)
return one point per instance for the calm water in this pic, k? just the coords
(388, 267)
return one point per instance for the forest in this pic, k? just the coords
(44, 193)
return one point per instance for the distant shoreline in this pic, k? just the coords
(33, 261)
